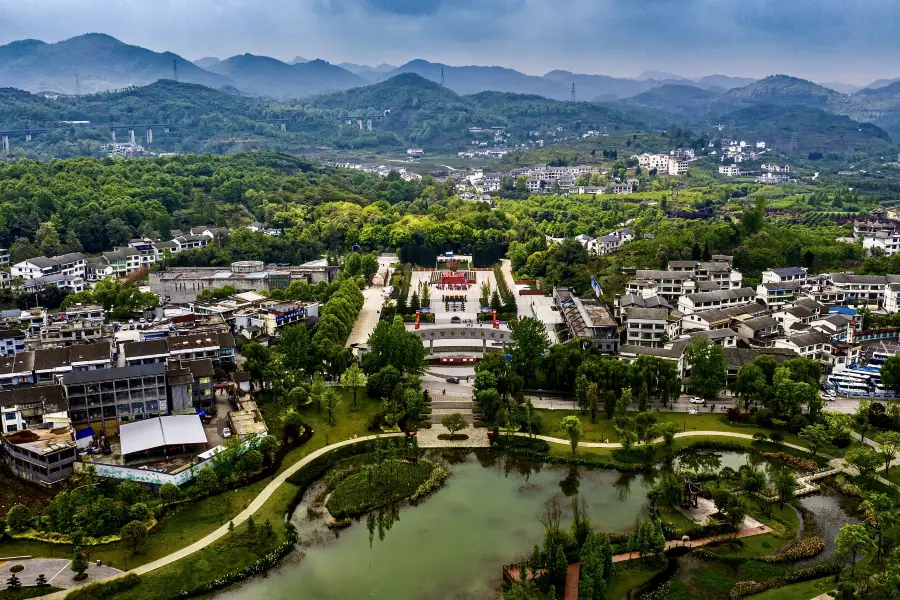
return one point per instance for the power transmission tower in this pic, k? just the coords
(175, 69)
(442, 76)
(77, 85)
(573, 91)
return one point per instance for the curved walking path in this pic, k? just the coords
(744, 436)
(241, 517)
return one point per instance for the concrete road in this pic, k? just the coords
(368, 316)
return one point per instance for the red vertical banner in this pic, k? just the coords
(417, 319)
(496, 322)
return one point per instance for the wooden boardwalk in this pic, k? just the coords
(573, 575)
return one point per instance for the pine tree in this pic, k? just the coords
(13, 584)
(41, 580)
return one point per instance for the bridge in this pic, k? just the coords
(430, 332)
(29, 132)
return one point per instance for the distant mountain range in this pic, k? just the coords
(97, 62)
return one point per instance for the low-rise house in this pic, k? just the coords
(691, 303)
(43, 455)
(814, 345)
(776, 295)
(785, 275)
(70, 283)
(12, 341)
(72, 264)
(649, 327)
(759, 332)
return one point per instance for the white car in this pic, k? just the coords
(696, 400)
(226, 432)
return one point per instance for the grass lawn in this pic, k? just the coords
(627, 579)
(231, 553)
(804, 590)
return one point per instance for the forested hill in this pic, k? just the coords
(414, 111)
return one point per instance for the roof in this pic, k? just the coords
(97, 375)
(42, 441)
(11, 333)
(683, 263)
(852, 278)
(51, 358)
(173, 430)
(238, 376)
(50, 396)
(810, 339)
(813, 305)
(201, 367)
(760, 323)
(90, 352)
(656, 274)
(648, 314)
(21, 362)
(789, 271)
(146, 348)
(801, 312)
(784, 285)
(629, 300)
(715, 334)
(738, 357)
(721, 295)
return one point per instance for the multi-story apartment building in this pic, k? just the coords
(67, 264)
(691, 303)
(785, 275)
(776, 295)
(104, 398)
(652, 327)
(12, 341)
(670, 284)
(43, 455)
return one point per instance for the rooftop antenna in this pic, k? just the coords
(175, 69)
(573, 91)
(442, 76)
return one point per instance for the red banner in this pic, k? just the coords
(494, 317)
(417, 319)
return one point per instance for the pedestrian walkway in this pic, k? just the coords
(748, 532)
(477, 438)
(683, 434)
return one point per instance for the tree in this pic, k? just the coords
(41, 581)
(708, 367)
(592, 400)
(529, 343)
(392, 345)
(332, 401)
(853, 539)
(169, 493)
(785, 484)
(815, 436)
(354, 378)
(207, 481)
(666, 431)
(18, 517)
(454, 422)
(581, 390)
(888, 446)
(13, 584)
(890, 373)
(572, 426)
(864, 459)
(79, 563)
(133, 535)
(318, 390)
(293, 424)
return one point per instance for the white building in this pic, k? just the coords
(730, 170)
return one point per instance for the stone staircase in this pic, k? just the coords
(443, 405)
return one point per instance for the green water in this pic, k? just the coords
(453, 545)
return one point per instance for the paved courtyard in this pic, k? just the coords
(56, 570)
(428, 438)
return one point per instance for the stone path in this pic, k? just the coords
(573, 576)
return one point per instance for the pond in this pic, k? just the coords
(828, 512)
(454, 544)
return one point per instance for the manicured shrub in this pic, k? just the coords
(806, 547)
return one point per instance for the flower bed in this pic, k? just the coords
(750, 587)
(829, 567)
(434, 482)
(806, 547)
(847, 488)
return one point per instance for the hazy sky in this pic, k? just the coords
(826, 40)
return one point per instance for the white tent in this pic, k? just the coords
(174, 430)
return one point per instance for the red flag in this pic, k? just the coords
(417, 319)
(496, 322)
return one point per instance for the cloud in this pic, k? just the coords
(830, 39)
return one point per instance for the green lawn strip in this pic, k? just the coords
(798, 591)
(603, 429)
(624, 580)
(354, 495)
